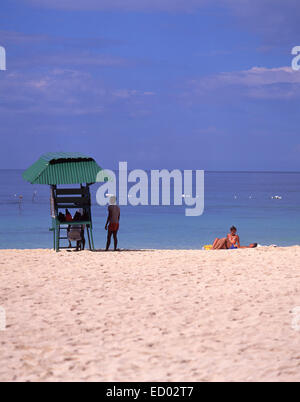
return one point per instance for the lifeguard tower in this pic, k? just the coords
(59, 170)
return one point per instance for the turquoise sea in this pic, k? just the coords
(243, 199)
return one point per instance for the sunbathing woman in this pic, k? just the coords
(231, 242)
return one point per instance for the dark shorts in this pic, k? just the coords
(113, 227)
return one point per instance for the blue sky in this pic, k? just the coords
(195, 84)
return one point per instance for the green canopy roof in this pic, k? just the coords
(65, 168)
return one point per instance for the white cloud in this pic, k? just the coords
(259, 76)
(257, 82)
(62, 92)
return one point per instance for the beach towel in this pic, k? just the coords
(208, 247)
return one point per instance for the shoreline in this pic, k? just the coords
(259, 247)
(150, 315)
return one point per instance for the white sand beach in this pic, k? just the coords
(150, 315)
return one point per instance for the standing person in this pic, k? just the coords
(112, 223)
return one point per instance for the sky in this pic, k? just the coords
(175, 84)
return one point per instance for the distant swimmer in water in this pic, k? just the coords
(20, 201)
(231, 242)
(34, 196)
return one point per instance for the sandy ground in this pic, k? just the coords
(150, 315)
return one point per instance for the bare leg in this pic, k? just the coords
(215, 242)
(115, 240)
(252, 245)
(109, 234)
(220, 244)
(82, 240)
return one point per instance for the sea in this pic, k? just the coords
(243, 199)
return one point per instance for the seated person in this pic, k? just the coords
(231, 242)
(76, 233)
(233, 238)
(61, 217)
(68, 216)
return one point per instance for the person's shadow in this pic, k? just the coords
(122, 250)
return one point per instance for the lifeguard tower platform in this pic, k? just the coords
(62, 171)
